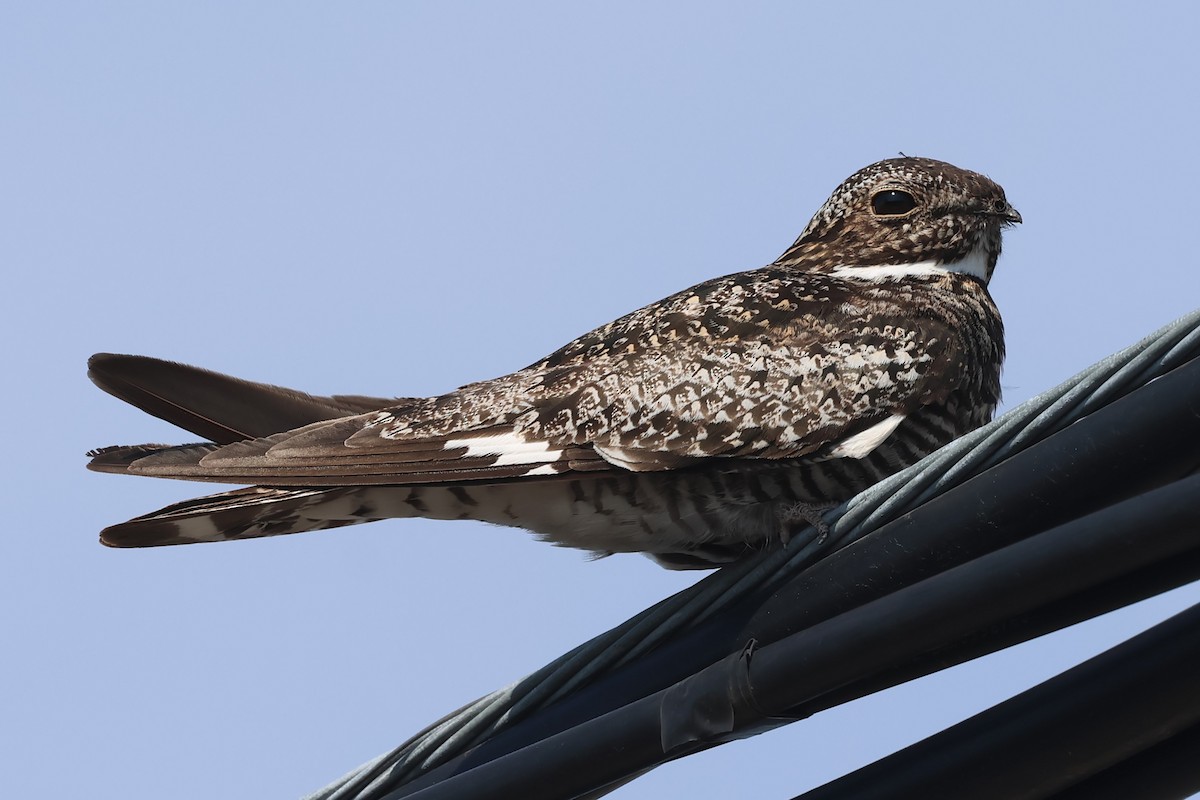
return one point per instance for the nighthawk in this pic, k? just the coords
(699, 428)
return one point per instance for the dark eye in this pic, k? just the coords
(892, 203)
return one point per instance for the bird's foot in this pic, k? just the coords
(797, 517)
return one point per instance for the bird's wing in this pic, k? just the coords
(220, 408)
(756, 365)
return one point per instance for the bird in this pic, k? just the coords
(715, 423)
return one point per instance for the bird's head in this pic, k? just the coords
(906, 212)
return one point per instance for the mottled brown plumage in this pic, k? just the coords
(693, 429)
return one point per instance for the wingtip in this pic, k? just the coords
(102, 366)
(117, 458)
(98, 359)
(121, 459)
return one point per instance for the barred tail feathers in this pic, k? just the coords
(240, 514)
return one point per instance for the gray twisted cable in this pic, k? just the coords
(1018, 429)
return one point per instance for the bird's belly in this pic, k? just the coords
(727, 511)
(718, 511)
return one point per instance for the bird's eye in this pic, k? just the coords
(893, 203)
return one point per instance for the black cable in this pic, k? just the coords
(1143, 440)
(742, 693)
(1095, 723)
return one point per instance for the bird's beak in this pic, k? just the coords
(1011, 216)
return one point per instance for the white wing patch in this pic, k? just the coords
(862, 443)
(507, 448)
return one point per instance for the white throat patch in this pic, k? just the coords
(975, 263)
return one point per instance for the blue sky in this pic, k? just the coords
(398, 198)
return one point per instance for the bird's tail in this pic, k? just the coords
(242, 514)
